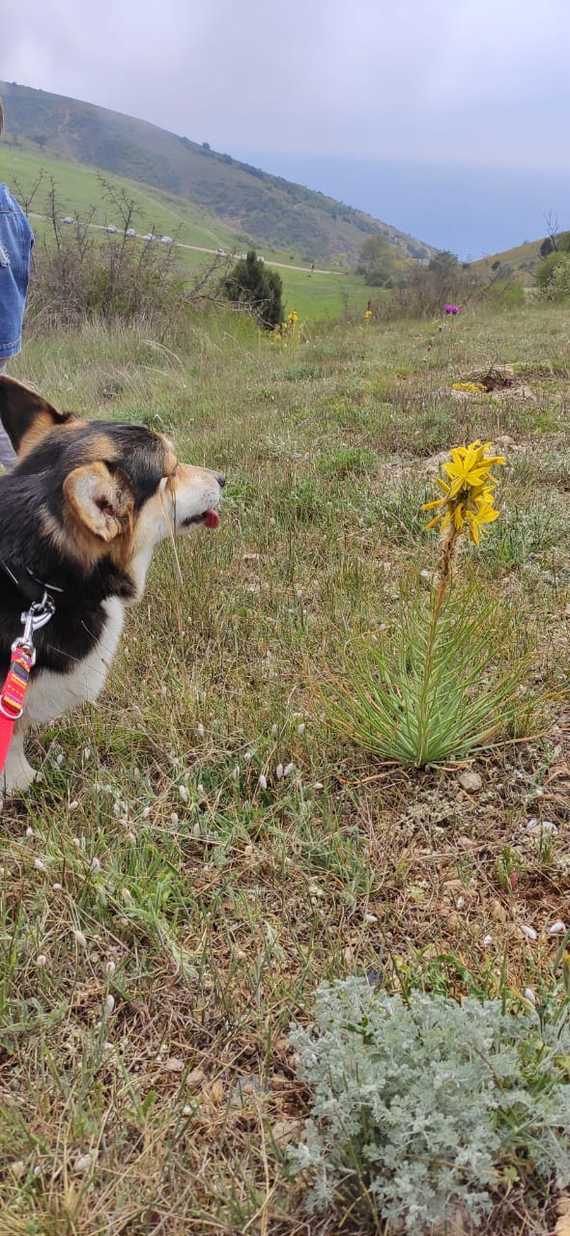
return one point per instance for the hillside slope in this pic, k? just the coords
(521, 261)
(197, 232)
(265, 208)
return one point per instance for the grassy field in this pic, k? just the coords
(149, 866)
(79, 191)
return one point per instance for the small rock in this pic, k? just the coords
(529, 995)
(556, 929)
(85, 1162)
(529, 932)
(195, 1078)
(487, 941)
(542, 826)
(284, 1131)
(470, 781)
(174, 1065)
(251, 557)
(524, 392)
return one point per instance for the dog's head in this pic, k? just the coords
(103, 489)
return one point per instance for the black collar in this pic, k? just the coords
(31, 588)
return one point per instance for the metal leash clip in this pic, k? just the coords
(34, 618)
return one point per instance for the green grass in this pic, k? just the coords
(209, 905)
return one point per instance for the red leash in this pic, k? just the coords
(17, 681)
(13, 695)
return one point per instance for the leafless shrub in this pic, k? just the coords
(83, 271)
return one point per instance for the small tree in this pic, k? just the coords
(254, 287)
(377, 262)
(443, 263)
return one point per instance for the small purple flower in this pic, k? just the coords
(452, 310)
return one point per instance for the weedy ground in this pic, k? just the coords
(163, 918)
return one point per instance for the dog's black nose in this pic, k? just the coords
(220, 479)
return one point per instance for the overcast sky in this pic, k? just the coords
(477, 83)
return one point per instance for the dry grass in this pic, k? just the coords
(209, 908)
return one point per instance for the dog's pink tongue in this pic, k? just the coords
(212, 519)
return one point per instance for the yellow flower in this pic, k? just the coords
(467, 502)
(473, 388)
(484, 513)
(292, 317)
(470, 467)
(367, 315)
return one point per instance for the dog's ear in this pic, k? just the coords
(100, 499)
(27, 417)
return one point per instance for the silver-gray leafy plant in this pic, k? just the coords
(429, 1107)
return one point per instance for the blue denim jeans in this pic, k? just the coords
(16, 240)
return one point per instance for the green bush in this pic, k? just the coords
(254, 287)
(379, 262)
(505, 294)
(428, 1109)
(553, 276)
(81, 274)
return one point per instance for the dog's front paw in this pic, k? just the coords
(17, 777)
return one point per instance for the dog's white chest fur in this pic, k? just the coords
(51, 695)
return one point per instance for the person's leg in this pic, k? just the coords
(7, 452)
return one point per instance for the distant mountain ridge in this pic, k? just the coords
(264, 208)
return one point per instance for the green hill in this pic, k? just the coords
(521, 261)
(314, 294)
(248, 201)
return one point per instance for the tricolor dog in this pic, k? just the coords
(80, 515)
